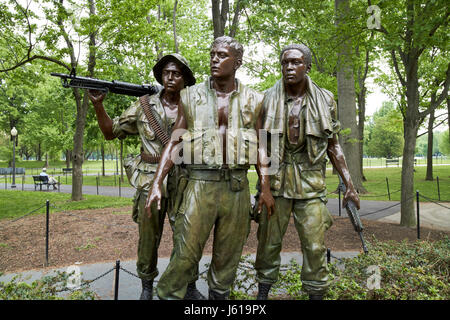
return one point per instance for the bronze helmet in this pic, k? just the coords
(189, 79)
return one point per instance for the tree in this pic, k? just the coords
(352, 140)
(385, 133)
(220, 16)
(407, 31)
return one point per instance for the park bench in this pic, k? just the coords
(40, 181)
(66, 170)
(392, 161)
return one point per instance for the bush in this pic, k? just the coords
(417, 270)
(46, 288)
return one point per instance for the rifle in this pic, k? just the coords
(129, 89)
(352, 213)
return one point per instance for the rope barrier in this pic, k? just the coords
(87, 282)
(31, 212)
(429, 199)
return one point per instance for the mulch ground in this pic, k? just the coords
(89, 236)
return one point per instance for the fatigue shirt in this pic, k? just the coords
(134, 122)
(301, 166)
(202, 143)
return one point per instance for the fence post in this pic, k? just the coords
(389, 193)
(328, 255)
(418, 215)
(439, 191)
(47, 218)
(339, 202)
(23, 181)
(6, 182)
(116, 281)
(96, 180)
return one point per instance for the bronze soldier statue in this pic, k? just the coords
(304, 117)
(218, 117)
(152, 118)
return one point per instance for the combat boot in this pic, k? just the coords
(263, 291)
(192, 293)
(213, 295)
(147, 290)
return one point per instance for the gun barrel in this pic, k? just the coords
(117, 87)
(366, 251)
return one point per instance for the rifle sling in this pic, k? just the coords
(148, 111)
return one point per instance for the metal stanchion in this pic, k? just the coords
(387, 184)
(439, 191)
(339, 202)
(418, 215)
(116, 281)
(47, 218)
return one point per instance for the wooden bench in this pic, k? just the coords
(392, 161)
(66, 170)
(40, 181)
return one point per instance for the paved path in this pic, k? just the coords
(432, 215)
(129, 284)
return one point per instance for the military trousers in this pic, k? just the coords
(207, 205)
(311, 219)
(150, 233)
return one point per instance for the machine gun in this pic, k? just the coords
(129, 89)
(352, 213)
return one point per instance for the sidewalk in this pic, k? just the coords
(129, 284)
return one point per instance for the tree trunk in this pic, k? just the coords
(347, 102)
(38, 155)
(411, 126)
(68, 158)
(78, 158)
(174, 20)
(219, 16)
(429, 175)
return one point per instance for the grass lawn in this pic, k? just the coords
(18, 203)
(377, 187)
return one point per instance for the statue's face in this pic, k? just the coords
(223, 62)
(172, 77)
(293, 67)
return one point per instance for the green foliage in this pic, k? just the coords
(409, 271)
(385, 133)
(444, 143)
(418, 270)
(47, 288)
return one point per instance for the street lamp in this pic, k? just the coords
(13, 135)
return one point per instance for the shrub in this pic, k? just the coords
(418, 270)
(46, 288)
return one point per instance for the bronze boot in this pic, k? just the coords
(213, 295)
(192, 293)
(147, 290)
(263, 291)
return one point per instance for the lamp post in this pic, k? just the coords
(14, 134)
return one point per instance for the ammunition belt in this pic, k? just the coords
(149, 158)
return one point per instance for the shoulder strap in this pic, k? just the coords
(148, 111)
